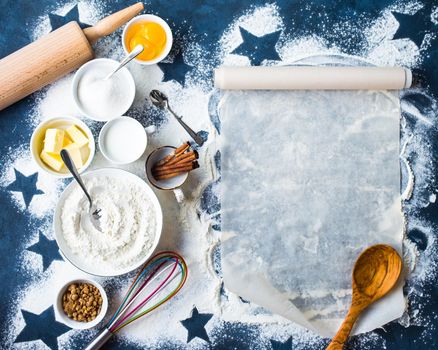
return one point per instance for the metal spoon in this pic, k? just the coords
(93, 210)
(160, 100)
(133, 54)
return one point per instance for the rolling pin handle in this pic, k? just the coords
(109, 24)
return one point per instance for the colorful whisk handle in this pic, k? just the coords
(100, 339)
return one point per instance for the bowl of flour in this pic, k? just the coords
(131, 223)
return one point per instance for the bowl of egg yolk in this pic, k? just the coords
(153, 33)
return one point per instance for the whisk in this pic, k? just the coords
(160, 278)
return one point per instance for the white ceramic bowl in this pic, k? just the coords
(162, 23)
(122, 140)
(123, 72)
(89, 267)
(36, 143)
(76, 324)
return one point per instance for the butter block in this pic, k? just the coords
(77, 135)
(67, 141)
(75, 154)
(53, 140)
(52, 160)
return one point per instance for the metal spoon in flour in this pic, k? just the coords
(160, 100)
(93, 210)
(133, 54)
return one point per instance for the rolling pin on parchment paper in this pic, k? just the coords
(312, 78)
(54, 55)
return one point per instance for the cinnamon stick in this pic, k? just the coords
(182, 157)
(190, 158)
(185, 161)
(180, 150)
(181, 168)
(168, 176)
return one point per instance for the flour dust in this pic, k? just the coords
(186, 227)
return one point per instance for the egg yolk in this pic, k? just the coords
(155, 34)
(149, 50)
(148, 34)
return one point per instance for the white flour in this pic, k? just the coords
(128, 223)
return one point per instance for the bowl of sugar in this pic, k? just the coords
(99, 98)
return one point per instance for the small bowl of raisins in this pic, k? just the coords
(81, 303)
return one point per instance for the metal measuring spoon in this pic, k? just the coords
(133, 54)
(93, 210)
(160, 100)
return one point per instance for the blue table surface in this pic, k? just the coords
(211, 17)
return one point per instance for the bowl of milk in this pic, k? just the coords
(122, 140)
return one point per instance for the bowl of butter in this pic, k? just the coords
(55, 134)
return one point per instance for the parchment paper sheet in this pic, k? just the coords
(310, 179)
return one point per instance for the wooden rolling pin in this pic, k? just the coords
(312, 78)
(54, 55)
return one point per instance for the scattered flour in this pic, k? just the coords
(41, 204)
(89, 12)
(434, 15)
(407, 193)
(259, 21)
(48, 105)
(183, 227)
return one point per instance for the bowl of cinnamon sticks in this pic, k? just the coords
(168, 167)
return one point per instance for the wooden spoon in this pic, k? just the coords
(375, 272)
